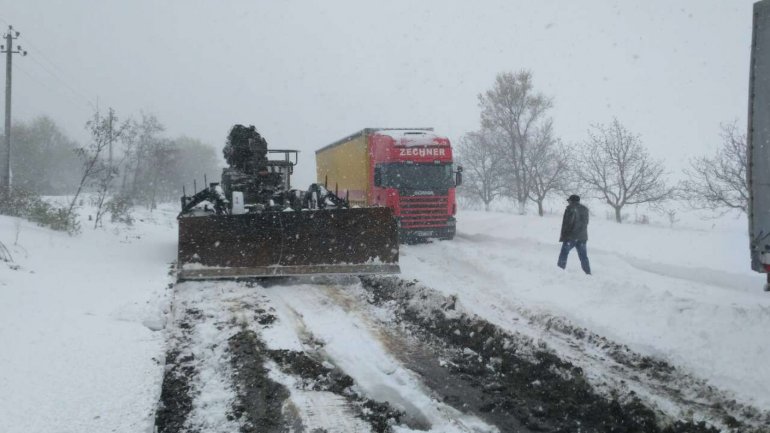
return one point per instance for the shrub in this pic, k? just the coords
(120, 208)
(641, 219)
(610, 216)
(24, 204)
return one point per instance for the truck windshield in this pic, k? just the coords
(415, 176)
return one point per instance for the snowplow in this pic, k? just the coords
(252, 224)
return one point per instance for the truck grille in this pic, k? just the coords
(423, 211)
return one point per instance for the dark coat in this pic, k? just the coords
(574, 226)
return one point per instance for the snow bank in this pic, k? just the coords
(79, 347)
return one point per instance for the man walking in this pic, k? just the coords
(574, 233)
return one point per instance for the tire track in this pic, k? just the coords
(221, 376)
(522, 379)
(365, 357)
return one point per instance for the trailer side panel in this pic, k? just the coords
(759, 139)
(345, 167)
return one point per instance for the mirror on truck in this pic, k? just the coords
(459, 176)
(377, 176)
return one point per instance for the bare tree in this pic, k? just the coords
(94, 167)
(145, 142)
(162, 160)
(720, 182)
(129, 143)
(615, 165)
(105, 129)
(672, 217)
(483, 180)
(43, 160)
(513, 111)
(548, 163)
(195, 160)
(156, 167)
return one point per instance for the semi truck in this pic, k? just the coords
(409, 170)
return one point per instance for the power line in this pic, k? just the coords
(65, 77)
(54, 89)
(71, 89)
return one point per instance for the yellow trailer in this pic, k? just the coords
(344, 166)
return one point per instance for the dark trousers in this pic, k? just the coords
(580, 246)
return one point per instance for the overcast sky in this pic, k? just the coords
(307, 73)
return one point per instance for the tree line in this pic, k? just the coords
(515, 154)
(125, 162)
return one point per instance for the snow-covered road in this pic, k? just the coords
(80, 350)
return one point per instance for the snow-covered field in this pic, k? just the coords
(80, 347)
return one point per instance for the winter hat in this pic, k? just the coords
(574, 198)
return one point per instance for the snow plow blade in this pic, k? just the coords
(272, 244)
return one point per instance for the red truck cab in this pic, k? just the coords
(412, 173)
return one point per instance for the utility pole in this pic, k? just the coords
(5, 160)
